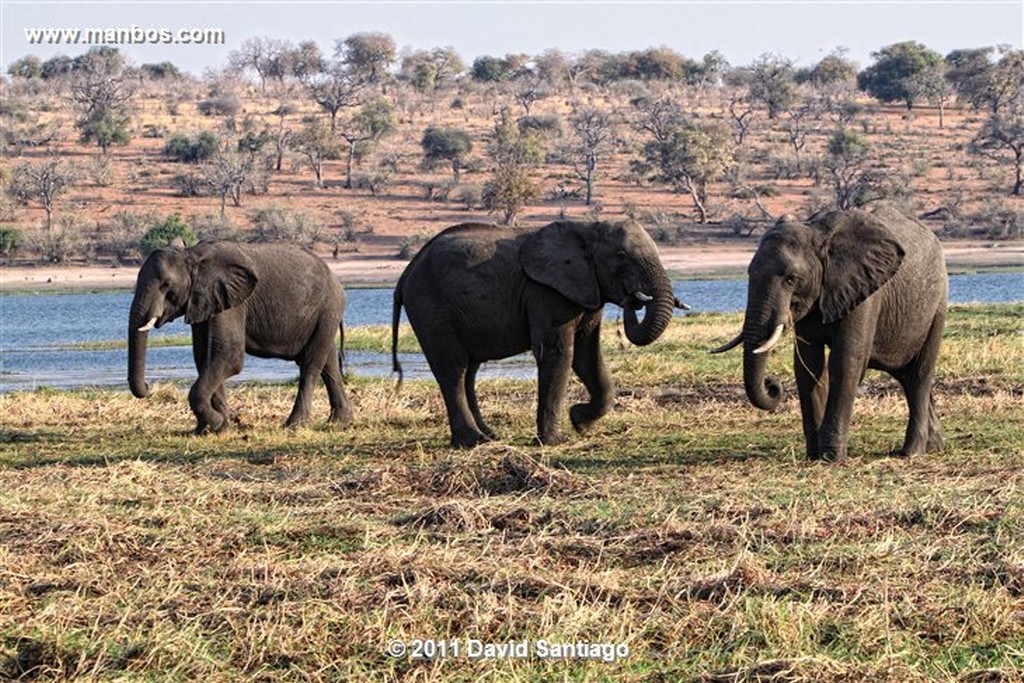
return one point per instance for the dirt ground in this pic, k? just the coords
(381, 267)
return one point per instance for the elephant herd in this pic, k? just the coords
(869, 286)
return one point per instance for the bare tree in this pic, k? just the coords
(261, 55)
(226, 174)
(742, 114)
(595, 131)
(42, 182)
(335, 89)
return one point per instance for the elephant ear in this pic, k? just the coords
(223, 279)
(556, 256)
(861, 256)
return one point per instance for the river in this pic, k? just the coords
(40, 334)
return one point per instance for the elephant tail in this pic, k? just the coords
(396, 315)
(341, 347)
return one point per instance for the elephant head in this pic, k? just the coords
(596, 263)
(828, 267)
(197, 282)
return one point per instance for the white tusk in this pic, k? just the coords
(640, 296)
(772, 341)
(150, 325)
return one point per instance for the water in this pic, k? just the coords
(37, 331)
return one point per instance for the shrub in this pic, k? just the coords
(180, 147)
(161, 234)
(214, 226)
(220, 105)
(279, 223)
(10, 239)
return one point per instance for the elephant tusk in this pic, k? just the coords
(644, 298)
(730, 345)
(680, 304)
(772, 341)
(150, 325)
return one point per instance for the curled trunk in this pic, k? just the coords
(657, 314)
(764, 392)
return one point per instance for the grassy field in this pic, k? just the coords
(687, 528)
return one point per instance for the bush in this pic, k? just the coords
(279, 223)
(10, 239)
(220, 105)
(161, 234)
(180, 147)
(214, 226)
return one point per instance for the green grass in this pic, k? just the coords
(687, 525)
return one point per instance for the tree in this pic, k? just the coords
(1002, 137)
(42, 182)
(898, 72)
(317, 144)
(446, 144)
(488, 69)
(508, 191)
(595, 131)
(103, 93)
(968, 71)
(773, 83)
(260, 55)
(931, 85)
(855, 182)
(691, 156)
(367, 54)
(373, 122)
(27, 67)
(226, 174)
(335, 89)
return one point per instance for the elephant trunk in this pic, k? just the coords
(758, 339)
(658, 306)
(763, 392)
(137, 339)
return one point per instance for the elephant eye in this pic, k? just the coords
(621, 255)
(790, 280)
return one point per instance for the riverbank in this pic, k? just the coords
(381, 268)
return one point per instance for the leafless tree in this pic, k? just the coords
(595, 133)
(42, 182)
(335, 89)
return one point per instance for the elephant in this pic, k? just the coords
(272, 300)
(870, 286)
(478, 292)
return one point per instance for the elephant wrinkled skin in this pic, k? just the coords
(268, 300)
(480, 292)
(872, 287)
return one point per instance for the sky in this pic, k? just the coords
(802, 31)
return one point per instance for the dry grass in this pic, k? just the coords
(687, 526)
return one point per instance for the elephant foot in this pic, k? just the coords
(468, 440)
(936, 443)
(202, 429)
(341, 418)
(549, 440)
(583, 416)
(834, 457)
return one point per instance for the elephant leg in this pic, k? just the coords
(309, 371)
(209, 385)
(449, 362)
(846, 367)
(209, 402)
(474, 407)
(588, 365)
(917, 379)
(331, 374)
(553, 351)
(812, 386)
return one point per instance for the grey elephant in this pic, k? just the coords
(268, 300)
(479, 292)
(872, 288)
